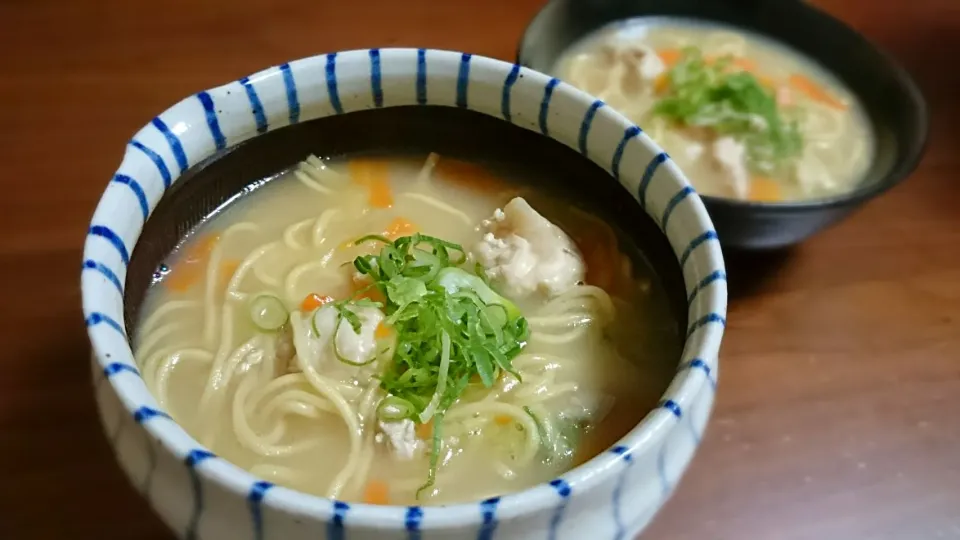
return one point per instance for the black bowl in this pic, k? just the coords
(891, 99)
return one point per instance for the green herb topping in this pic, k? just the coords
(450, 326)
(709, 94)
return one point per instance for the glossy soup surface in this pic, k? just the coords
(744, 117)
(277, 401)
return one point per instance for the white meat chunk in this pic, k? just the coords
(729, 156)
(401, 436)
(525, 253)
(317, 350)
(642, 66)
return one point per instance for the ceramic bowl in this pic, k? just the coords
(200, 495)
(894, 104)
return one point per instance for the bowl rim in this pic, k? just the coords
(162, 145)
(867, 188)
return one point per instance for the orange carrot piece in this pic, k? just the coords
(468, 175)
(744, 64)
(399, 227)
(377, 492)
(313, 301)
(763, 189)
(661, 84)
(424, 431)
(382, 331)
(362, 282)
(183, 276)
(502, 420)
(200, 248)
(815, 92)
(374, 174)
(670, 57)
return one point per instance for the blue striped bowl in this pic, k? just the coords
(200, 495)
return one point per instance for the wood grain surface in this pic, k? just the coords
(839, 408)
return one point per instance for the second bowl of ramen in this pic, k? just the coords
(386, 293)
(780, 138)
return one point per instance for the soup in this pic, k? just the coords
(400, 330)
(744, 117)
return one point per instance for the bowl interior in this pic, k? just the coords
(551, 166)
(893, 103)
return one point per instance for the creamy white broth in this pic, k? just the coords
(223, 378)
(837, 145)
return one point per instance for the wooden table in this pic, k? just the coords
(839, 411)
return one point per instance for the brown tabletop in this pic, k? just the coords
(839, 407)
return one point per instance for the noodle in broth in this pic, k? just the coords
(232, 339)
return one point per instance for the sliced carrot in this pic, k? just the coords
(382, 331)
(468, 175)
(374, 174)
(183, 276)
(661, 84)
(744, 64)
(190, 268)
(227, 269)
(424, 431)
(763, 189)
(314, 301)
(502, 420)
(200, 248)
(815, 92)
(670, 57)
(399, 227)
(377, 492)
(363, 282)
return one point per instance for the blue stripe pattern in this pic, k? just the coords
(146, 413)
(137, 192)
(630, 133)
(174, 143)
(705, 320)
(545, 104)
(421, 76)
(195, 458)
(488, 510)
(106, 272)
(716, 275)
(96, 318)
(622, 451)
(585, 125)
(376, 84)
(157, 161)
(709, 235)
(698, 363)
(108, 234)
(672, 205)
(563, 490)
(254, 499)
(648, 176)
(333, 93)
(290, 86)
(256, 107)
(115, 368)
(335, 529)
(507, 88)
(412, 521)
(463, 80)
(671, 406)
(212, 123)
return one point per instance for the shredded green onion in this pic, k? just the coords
(709, 94)
(268, 313)
(449, 325)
